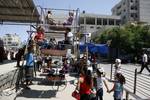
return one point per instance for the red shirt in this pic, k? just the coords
(39, 36)
(84, 88)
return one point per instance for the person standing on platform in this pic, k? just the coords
(2, 51)
(29, 66)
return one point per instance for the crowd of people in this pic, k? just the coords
(90, 83)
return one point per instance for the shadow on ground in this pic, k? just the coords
(36, 94)
(7, 62)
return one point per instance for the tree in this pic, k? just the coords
(129, 39)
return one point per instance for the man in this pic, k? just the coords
(117, 66)
(2, 51)
(144, 63)
(19, 55)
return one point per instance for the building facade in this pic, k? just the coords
(11, 41)
(94, 22)
(133, 10)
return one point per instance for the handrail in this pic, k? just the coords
(58, 9)
(134, 83)
(8, 80)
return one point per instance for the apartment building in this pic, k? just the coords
(11, 41)
(95, 22)
(132, 10)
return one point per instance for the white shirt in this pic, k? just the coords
(49, 16)
(145, 58)
(99, 81)
(70, 36)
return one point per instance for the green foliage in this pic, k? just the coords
(130, 38)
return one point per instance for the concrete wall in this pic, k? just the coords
(145, 10)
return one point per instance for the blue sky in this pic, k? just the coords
(90, 6)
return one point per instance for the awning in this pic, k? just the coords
(23, 11)
(94, 48)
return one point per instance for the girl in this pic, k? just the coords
(85, 84)
(118, 86)
(99, 84)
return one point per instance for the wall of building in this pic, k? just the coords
(132, 10)
(93, 22)
(11, 41)
(144, 10)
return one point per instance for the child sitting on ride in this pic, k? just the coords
(65, 65)
(39, 37)
(48, 61)
(49, 18)
(69, 20)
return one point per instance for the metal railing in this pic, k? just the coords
(136, 85)
(8, 80)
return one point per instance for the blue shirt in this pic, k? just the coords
(29, 59)
(118, 92)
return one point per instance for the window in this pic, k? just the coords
(9, 39)
(98, 28)
(99, 21)
(8, 42)
(111, 21)
(118, 22)
(132, 7)
(91, 26)
(81, 20)
(124, 3)
(90, 21)
(124, 10)
(131, 15)
(104, 21)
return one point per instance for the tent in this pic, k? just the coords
(94, 48)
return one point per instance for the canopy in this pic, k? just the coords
(95, 48)
(23, 11)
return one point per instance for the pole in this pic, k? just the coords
(135, 81)
(111, 71)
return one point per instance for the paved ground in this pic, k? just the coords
(7, 66)
(40, 91)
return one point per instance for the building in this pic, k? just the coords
(133, 10)
(11, 41)
(92, 23)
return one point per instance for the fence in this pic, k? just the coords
(136, 85)
(8, 80)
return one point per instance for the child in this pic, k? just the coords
(99, 84)
(69, 20)
(118, 86)
(49, 18)
(29, 66)
(39, 37)
(117, 66)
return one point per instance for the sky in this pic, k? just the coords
(102, 7)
